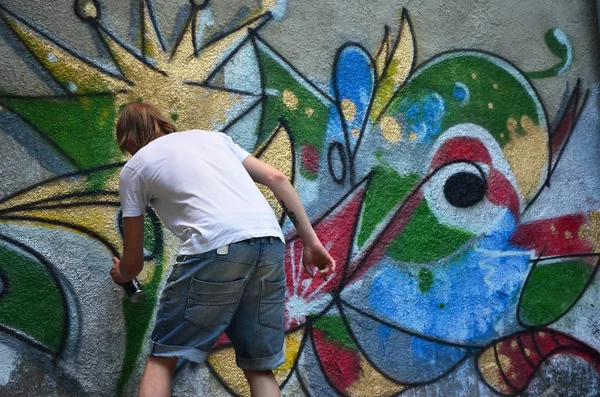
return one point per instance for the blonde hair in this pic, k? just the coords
(139, 123)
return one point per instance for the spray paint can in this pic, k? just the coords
(134, 291)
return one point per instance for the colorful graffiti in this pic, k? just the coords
(434, 186)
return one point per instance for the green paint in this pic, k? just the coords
(558, 42)
(32, 304)
(174, 116)
(425, 280)
(425, 240)
(303, 129)
(442, 306)
(551, 289)
(137, 319)
(81, 127)
(387, 188)
(150, 239)
(510, 99)
(307, 174)
(335, 331)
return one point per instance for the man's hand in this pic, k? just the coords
(316, 254)
(115, 272)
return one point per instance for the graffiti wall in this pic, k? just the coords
(448, 156)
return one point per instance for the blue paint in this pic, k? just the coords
(354, 80)
(423, 116)
(480, 291)
(461, 93)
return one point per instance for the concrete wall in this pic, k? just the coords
(448, 154)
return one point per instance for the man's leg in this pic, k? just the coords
(158, 373)
(262, 384)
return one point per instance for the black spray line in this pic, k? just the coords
(34, 204)
(204, 84)
(63, 176)
(221, 35)
(67, 225)
(406, 19)
(293, 68)
(54, 41)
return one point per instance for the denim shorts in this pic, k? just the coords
(240, 292)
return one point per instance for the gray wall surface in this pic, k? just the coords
(448, 154)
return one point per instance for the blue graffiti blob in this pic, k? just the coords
(461, 93)
(423, 117)
(353, 84)
(473, 299)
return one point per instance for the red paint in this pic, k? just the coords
(341, 365)
(554, 236)
(528, 350)
(310, 158)
(461, 148)
(335, 231)
(501, 192)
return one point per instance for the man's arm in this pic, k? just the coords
(314, 253)
(132, 261)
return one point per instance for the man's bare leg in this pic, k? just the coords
(158, 373)
(262, 384)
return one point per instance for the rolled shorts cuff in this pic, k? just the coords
(188, 353)
(263, 363)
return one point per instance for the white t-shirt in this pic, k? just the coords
(196, 183)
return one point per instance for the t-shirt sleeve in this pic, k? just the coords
(132, 193)
(240, 153)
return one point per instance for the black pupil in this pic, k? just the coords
(464, 189)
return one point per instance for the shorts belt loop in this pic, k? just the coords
(270, 239)
(251, 241)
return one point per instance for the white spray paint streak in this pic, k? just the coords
(8, 364)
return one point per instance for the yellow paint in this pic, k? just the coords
(290, 100)
(527, 154)
(372, 383)
(309, 112)
(382, 55)
(490, 371)
(164, 85)
(412, 137)
(495, 85)
(391, 129)
(348, 110)
(593, 230)
(490, 105)
(514, 345)
(527, 352)
(399, 66)
(64, 67)
(90, 10)
(268, 4)
(553, 228)
(542, 334)
(355, 132)
(568, 235)
(474, 76)
(278, 154)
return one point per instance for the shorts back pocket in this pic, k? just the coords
(210, 304)
(271, 304)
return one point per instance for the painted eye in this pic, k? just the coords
(464, 189)
(457, 194)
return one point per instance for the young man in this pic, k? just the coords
(229, 276)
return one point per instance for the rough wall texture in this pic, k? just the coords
(448, 154)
